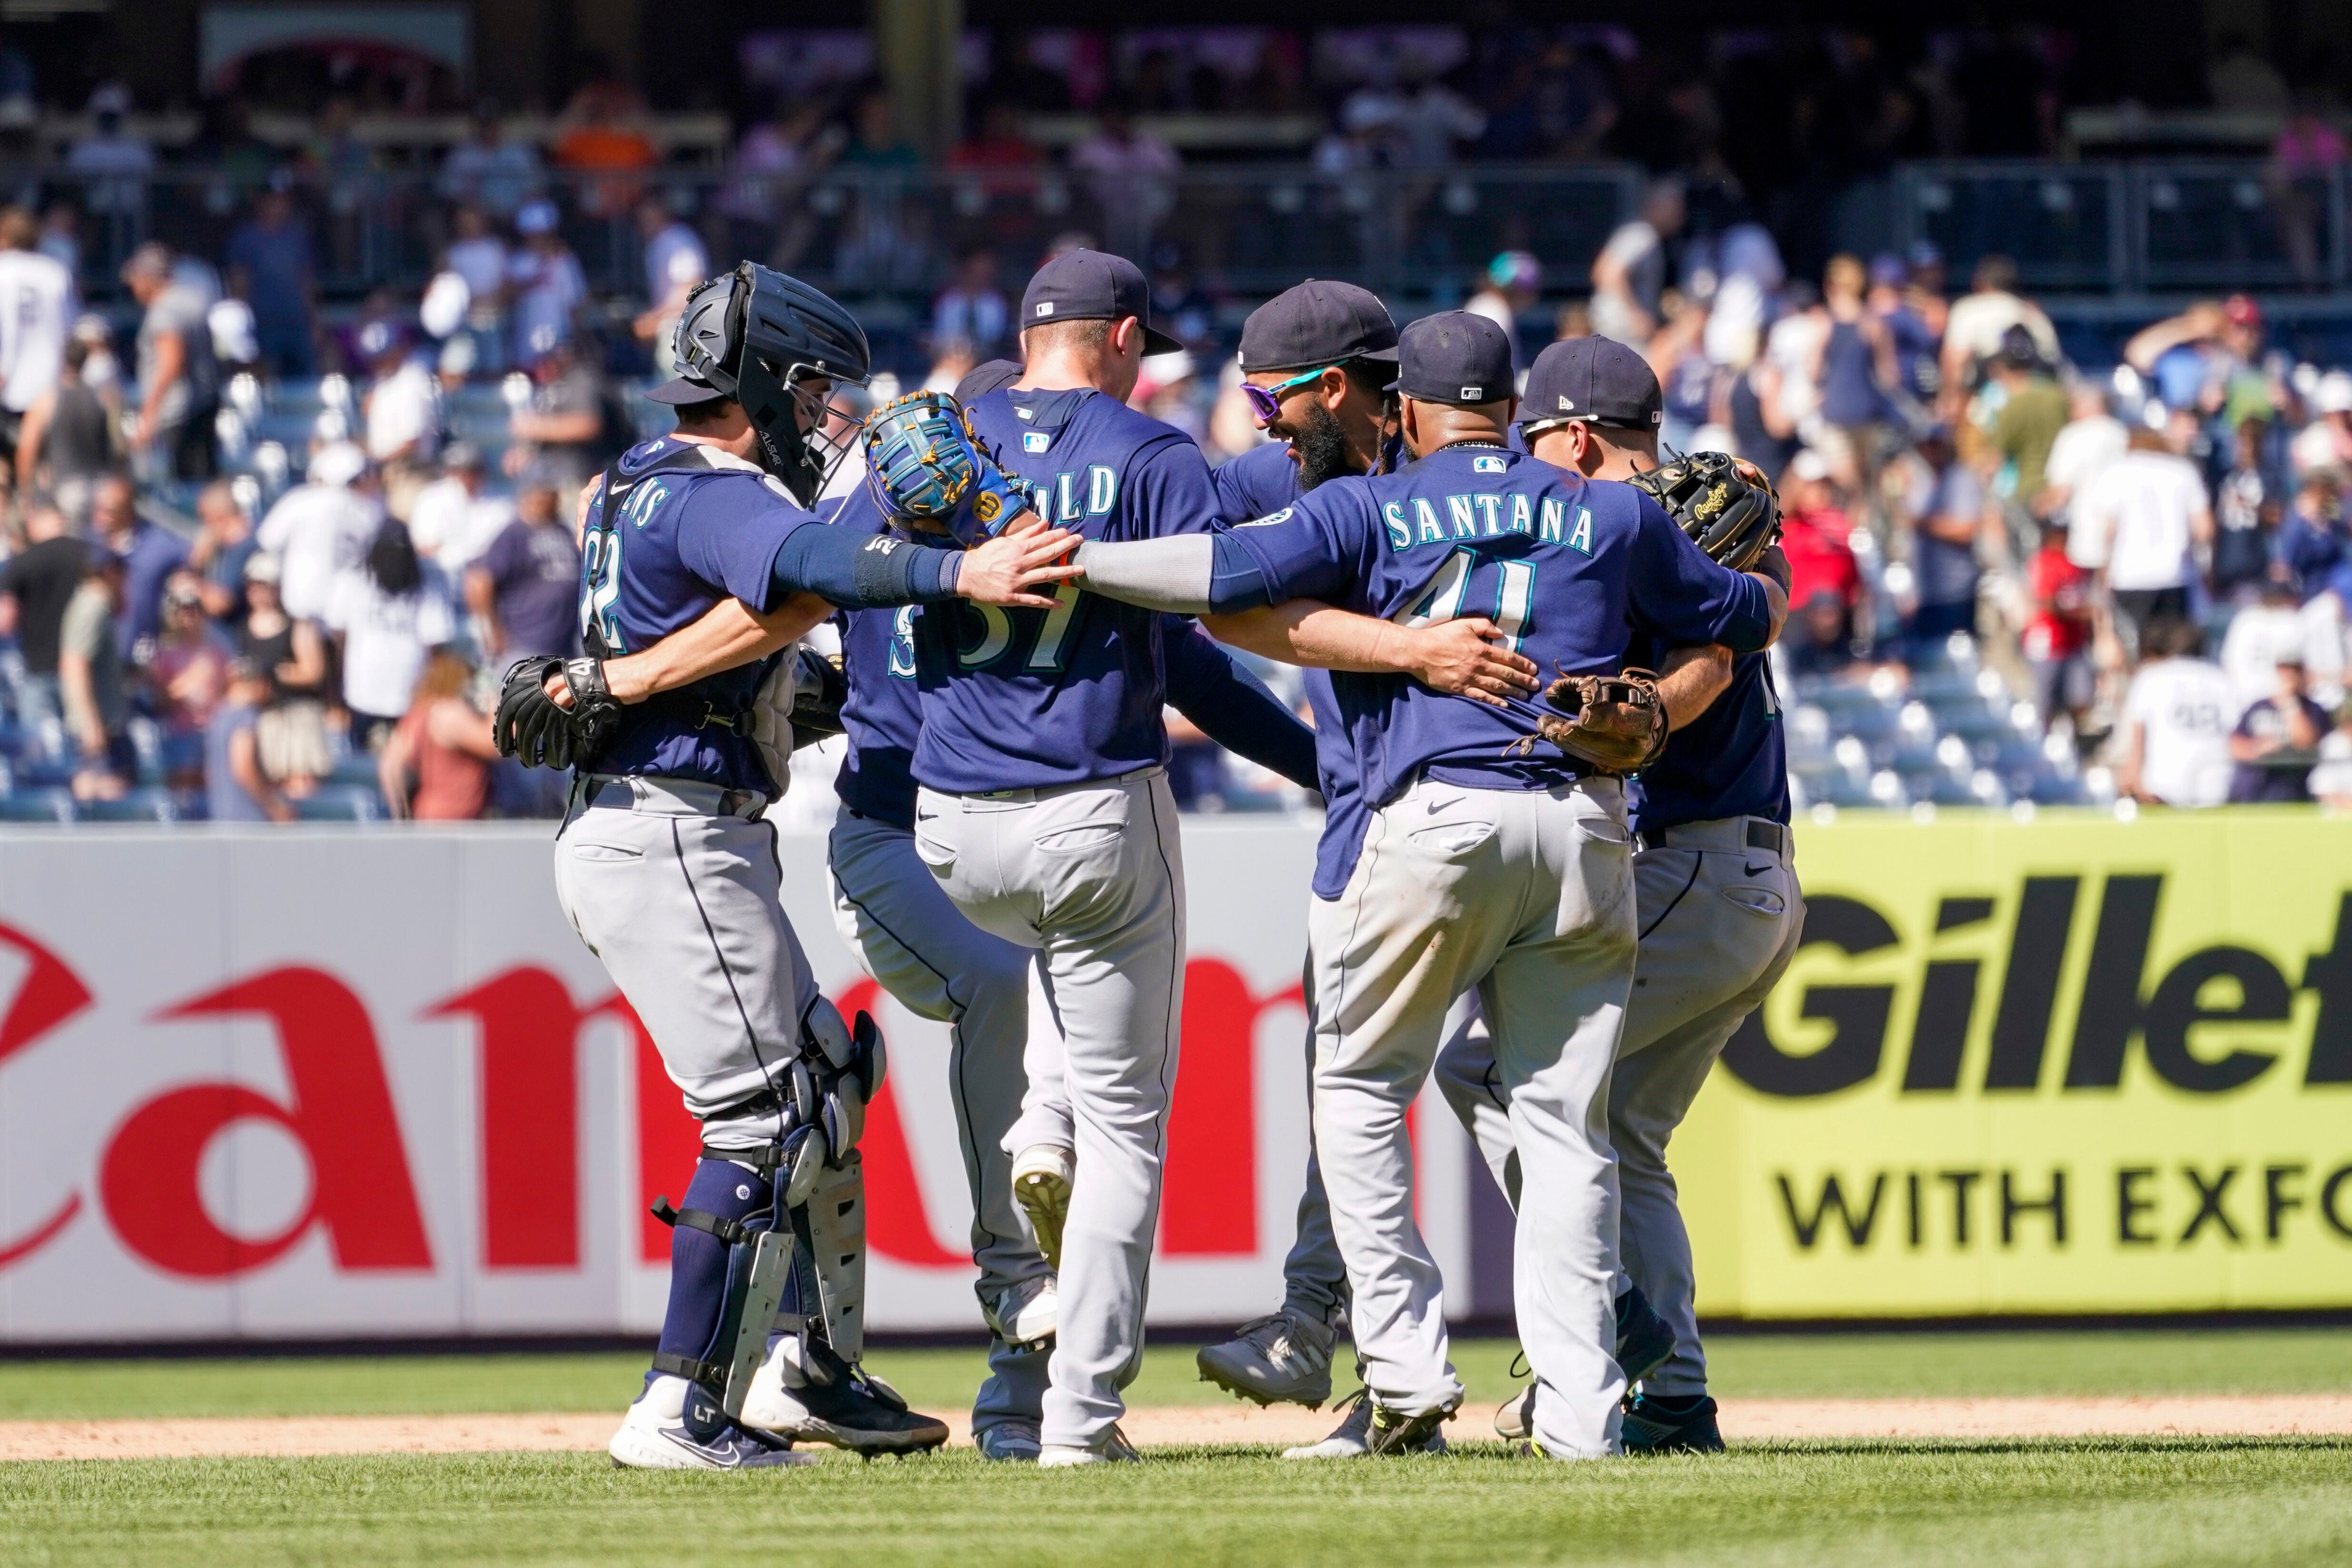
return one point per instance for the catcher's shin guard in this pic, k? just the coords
(729, 1269)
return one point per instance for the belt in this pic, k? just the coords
(1725, 834)
(667, 797)
(1049, 790)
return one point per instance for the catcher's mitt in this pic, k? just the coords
(819, 688)
(1617, 724)
(531, 728)
(922, 461)
(1725, 505)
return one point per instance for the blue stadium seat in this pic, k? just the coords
(41, 805)
(142, 805)
(341, 803)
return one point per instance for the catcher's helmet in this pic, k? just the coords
(754, 335)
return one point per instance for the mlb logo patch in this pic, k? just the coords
(1474, 394)
(1046, 308)
(1035, 440)
(1488, 465)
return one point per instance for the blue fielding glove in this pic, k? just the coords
(923, 463)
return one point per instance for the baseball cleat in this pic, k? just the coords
(1042, 1174)
(1283, 1357)
(1369, 1427)
(1652, 1428)
(1024, 1315)
(1644, 1342)
(675, 1426)
(1514, 1418)
(1111, 1448)
(831, 1401)
(1012, 1441)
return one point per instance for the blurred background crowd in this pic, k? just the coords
(303, 364)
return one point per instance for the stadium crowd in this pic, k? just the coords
(261, 556)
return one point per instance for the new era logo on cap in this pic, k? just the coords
(1568, 405)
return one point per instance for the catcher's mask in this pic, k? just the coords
(757, 336)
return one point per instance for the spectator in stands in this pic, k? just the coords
(91, 681)
(186, 679)
(561, 431)
(1815, 534)
(318, 528)
(2326, 441)
(1820, 644)
(1945, 514)
(488, 172)
(273, 268)
(2276, 629)
(544, 285)
(1513, 284)
(971, 308)
(2176, 721)
(2304, 158)
(454, 520)
(1130, 172)
(2140, 524)
(150, 553)
(2246, 512)
(237, 789)
(2091, 440)
(2208, 358)
(2033, 410)
(224, 543)
(1978, 323)
(1913, 337)
(289, 653)
(179, 379)
(66, 439)
(436, 768)
(523, 591)
(2276, 741)
(1000, 144)
(2057, 639)
(1856, 373)
(401, 413)
(1630, 274)
(477, 254)
(36, 583)
(607, 138)
(111, 161)
(386, 614)
(2313, 538)
(37, 301)
(675, 261)
(873, 139)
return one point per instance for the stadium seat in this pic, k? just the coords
(341, 803)
(40, 805)
(144, 805)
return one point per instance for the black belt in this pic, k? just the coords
(732, 802)
(1768, 836)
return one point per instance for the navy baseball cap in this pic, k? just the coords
(1453, 356)
(984, 379)
(1597, 379)
(1093, 286)
(1319, 322)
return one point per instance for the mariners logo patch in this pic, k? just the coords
(1488, 465)
(1035, 440)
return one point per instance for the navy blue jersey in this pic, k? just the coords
(1575, 572)
(1265, 479)
(697, 525)
(1730, 761)
(1034, 698)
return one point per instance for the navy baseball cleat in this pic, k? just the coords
(675, 1426)
(824, 1399)
(1665, 1426)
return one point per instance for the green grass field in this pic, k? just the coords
(1982, 1505)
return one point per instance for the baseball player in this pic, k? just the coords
(1488, 855)
(1715, 888)
(1005, 1065)
(668, 873)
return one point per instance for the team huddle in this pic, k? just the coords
(1556, 866)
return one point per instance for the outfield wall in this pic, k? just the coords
(318, 1083)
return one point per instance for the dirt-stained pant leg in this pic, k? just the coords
(1093, 877)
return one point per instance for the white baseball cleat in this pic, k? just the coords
(1369, 1427)
(675, 1426)
(1042, 1174)
(1026, 1315)
(1284, 1356)
(1111, 1448)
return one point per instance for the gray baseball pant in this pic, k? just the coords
(1528, 894)
(1092, 875)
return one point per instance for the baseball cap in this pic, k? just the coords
(1317, 323)
(338, 463)
(261, 567)
(1597, 379)
(1886, 270)
(461, 456)
(1453, 356)
(983, 378)
(2239, 310)
(1093, 286)
(2334, 394)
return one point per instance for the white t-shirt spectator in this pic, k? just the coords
(453, 527)
(2187, 710)
(385, 640)
(1976, 322)
(37, 304)
(482, 263)
(2260, 635)
(404, 408)
(2081, 453)
(1637, 248)
(316, 531)
(2135, 521)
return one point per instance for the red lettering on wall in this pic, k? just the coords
(1209, 1202)
(49, 994)
(340, 1110)
(898, 1222)
(530, 1116)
